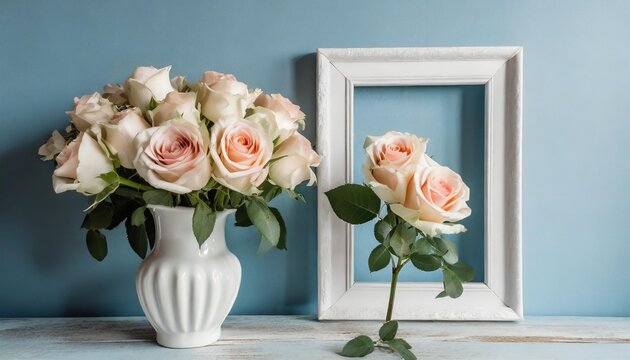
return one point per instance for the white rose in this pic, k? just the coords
(179, 83)
(240, 149)
(288, 117)
(79, 166)
(91, 110)
(390, 161)
(119, 134)
(176, 105)
(147, 82)
(295, 158)
(226, 97)
(116, 94)
(52, 147)
(173, 156)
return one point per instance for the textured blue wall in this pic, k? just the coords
(576, 169)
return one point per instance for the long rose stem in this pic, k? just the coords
(392, 289)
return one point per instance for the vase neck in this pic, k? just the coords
(174, 233)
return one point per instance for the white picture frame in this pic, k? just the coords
(499, 69)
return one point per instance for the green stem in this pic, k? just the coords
(133, 184)
(392, 288)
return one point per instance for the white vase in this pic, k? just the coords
(187, 291)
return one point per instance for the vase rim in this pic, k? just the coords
(183, 208)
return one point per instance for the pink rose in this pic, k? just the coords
(288, 115)
(173, 156)
(52, 147)
(240, 149)
(390, 162)
(79, 166)
(295, 157)
(211, 77)
(435, 195)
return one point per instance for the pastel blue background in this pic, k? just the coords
(452, 117)
(575, 159)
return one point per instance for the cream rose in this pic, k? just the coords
(147, 82)
(240, 149)
(179, 83)
(224, 96)
(52, 147)
(173, 156)
(79, 166)
(436, 196)
(288, 115)
(90, 110)
(295, 158)
(118, 135)
(176, 105)
(390, 162)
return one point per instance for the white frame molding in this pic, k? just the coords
(500, 70)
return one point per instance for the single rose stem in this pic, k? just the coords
(392, 288)
(133, 184)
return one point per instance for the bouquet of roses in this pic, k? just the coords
(211, 145)
(423, 200)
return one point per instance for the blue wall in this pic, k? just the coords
(576, 131)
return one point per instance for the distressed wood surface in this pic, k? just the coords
(291, 337)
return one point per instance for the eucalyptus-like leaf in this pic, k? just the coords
(452, 284)
(203, 221)
(379, 258)
(463, 271)
(358, 347)
(382, 228)
(264, 220)
(137, 217)
(401, 349)
(282, 241)
(295, 195)
(388, 330)
(426, 262)
(353, 203)
(100, 217)
(401, 238)
(96, 244)
(449, 248)
(158, 197)
(137, 237)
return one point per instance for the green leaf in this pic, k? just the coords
(442, 294)
(402, 342)
(109, 189)
(282, 241)
(137, 217)
(241, 217)
(110, 177)
(97, 244)
(353, 203)
(264, 220)
(236, 199)
(269, 191)
(358, 347)
(295, 195)
(123, 207)
(137, 237)
(221, 198)
(158, 197)
(401, 238)
(452, 285)
(427, 247)
(149, 226)
(401, 349)
(463, 271)
(426, 262)
(379, 258)
(449, 248)
(388, 330)
(100, 217)
(203, 221)
(152, 104)
(382, 228)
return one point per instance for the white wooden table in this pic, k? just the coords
(299, 337)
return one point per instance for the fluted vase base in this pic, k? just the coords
(189, 339)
